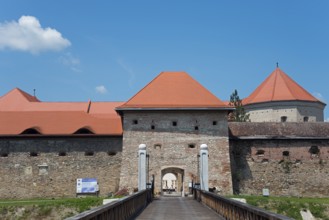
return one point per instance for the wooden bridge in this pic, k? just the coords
(203, 205)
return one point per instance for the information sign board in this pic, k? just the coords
(87, 185)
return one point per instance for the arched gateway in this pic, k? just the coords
(173, 186)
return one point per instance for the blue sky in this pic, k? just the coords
(108, 50)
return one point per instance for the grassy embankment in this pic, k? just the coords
(46, 209)
(291, 206)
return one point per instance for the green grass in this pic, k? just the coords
(290, 206)
(44, 207)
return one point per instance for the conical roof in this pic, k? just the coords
(173, 90)
(279, 87)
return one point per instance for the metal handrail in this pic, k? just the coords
(123, 209)
(235, 210)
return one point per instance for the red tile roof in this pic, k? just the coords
(20, 111)
(279, 87)
(173, 90)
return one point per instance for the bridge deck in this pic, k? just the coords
(167, 208)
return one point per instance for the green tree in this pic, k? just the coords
(238, 115)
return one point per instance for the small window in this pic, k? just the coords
(284, 118)
(191, 146)
(62, 154)
(157, 146)
(196, 128)
(305, 119)
(214, 123)
(174, 123)
(4, 154)
(285, 153)
(111, 153)
(260, 152)
(33, 154)
(135, 122)
(314, 150)
(89, 153)
(152, 127)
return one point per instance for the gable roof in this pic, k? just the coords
(278, 86)
(16, 99)
(173, 90)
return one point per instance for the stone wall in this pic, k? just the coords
(47, 167)
(173, 140)
(279, 156)
(295, 111)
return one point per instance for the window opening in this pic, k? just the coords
(62, 154)
(285, 153)
(135, 122)
(284, 118)
(4, 154)
(156, 146)
(196, 128)
(314, 150)
(33, 154)
(152, 127)
(260, 153)
(112, 153)
(214, 123)
(174, 123)
(89, 153)
(191, 146)
(305, 119)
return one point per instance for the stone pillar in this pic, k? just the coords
(142, 167)
(204, 167)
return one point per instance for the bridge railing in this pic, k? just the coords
(231, 209)
(126, 208)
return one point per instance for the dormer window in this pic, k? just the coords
(84, 131)
(31, 131)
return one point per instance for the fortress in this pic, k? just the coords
(46, 146)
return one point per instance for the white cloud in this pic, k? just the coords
(318, 96)
(101, 89)
(69, 60)
(28, 35)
